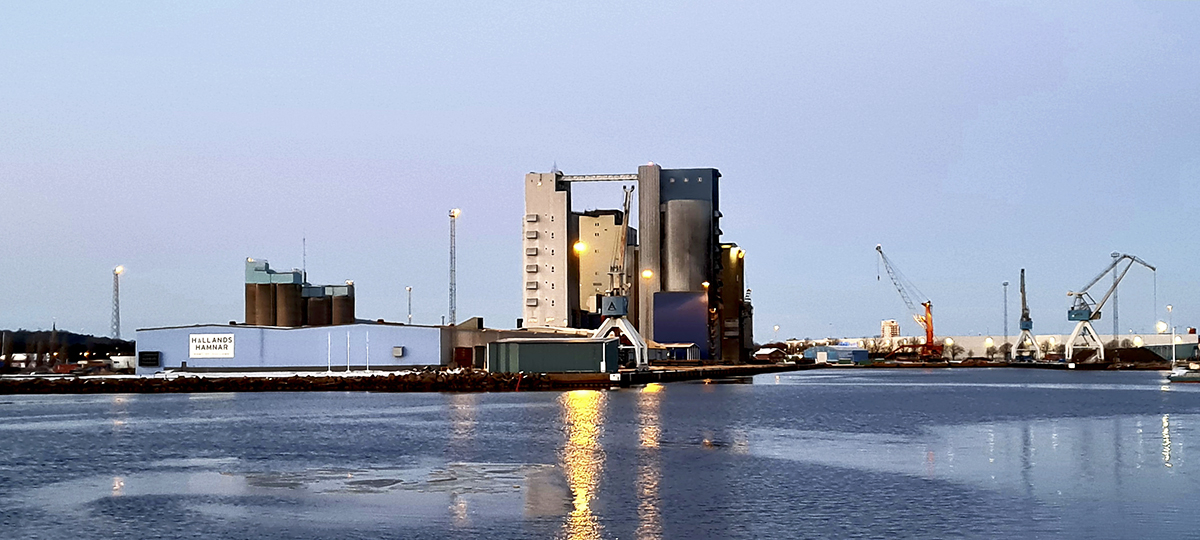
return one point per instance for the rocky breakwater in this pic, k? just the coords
(430, 380)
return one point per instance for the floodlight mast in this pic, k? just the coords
(1084, 310)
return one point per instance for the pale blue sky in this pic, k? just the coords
(970, 139)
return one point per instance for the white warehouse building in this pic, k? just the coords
(220, 347)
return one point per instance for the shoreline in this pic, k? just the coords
(452, 380)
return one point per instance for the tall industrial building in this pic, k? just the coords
(687, 286)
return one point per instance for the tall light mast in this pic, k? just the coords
(116, 303)
(453, 285)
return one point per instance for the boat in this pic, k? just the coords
(1188, 373)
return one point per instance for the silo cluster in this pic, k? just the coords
(684, 285)
(285, 299)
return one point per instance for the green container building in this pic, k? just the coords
(553, 355)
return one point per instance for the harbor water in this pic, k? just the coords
(850, 453)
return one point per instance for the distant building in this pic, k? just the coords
(889, 329)
(770, 355)
(599, 234)
(683, 283)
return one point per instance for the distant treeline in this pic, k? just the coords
(47, 348)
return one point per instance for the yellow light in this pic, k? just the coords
(647, 273)
(1160, 327)
(949, 342)
(119, 270)
(583, 417)
(1178, 340)
(705, 284)
(741, 253)
(580, 247)
(652, 388)
(455, 213)
(1137, 341)
(989, 342)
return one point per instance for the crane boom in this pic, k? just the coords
(929, 349)
(1083, 306)
(1027, 347)
(1024, 304)
(616, 271)
(898, 280)
(1117, 259)
(1084, 310)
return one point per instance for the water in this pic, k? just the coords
(849, 454)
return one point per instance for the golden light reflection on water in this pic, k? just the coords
(648, 423)
(649, 466)
(583, 459)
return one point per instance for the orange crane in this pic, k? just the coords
(931, 349)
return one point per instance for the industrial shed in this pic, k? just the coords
(553, 355)
(219, 347)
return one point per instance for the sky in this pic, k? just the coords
(970, 139)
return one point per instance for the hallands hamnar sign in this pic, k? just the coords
(210, 346)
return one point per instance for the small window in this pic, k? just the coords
(531, 251)
(531, 302)
(532, 235)
(531, 285)
(531, 218)
(531, 268)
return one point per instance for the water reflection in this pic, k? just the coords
(649, 466)
(583, 459)
(1166, 440)
(462, 410)
(1054, 460)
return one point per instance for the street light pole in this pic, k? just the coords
(1171, 323)
(409, 291)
